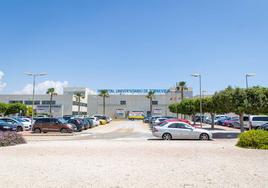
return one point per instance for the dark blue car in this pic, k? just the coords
(4, 126)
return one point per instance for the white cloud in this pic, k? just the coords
(41, 88)
(2, 84)
(91, 92)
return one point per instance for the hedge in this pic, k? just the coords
(257, 139)
(10, 139)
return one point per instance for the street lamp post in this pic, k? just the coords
(247, 76)
(34, 75)
(200, 89)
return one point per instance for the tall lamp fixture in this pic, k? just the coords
(196, 75)
(34, 75)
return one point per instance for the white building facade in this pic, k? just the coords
(118, 104)
(63, 104)
(121, 102)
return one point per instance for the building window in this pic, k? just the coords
(123, 102)
(12, 102)
(75, 103)
(31, 102)
(48, 102)
(154, 102)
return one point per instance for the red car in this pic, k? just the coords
(230, 122)
(176, 120)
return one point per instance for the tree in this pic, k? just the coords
(181, 88)
(150, 96)
(51, 92)
(16, 108)
(3, 108)
(79, 96)
(190, 107)
(233, 100)
(175, 108)
(257, 100)
(210, 106)
(104, 94)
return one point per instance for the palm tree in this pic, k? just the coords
(150, 96)
(79, 96)
(51, 92)
(104, 94)
(181, 88)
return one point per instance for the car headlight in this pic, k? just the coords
(6, 127)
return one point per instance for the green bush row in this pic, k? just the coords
(257, 139)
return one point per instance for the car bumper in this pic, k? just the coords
(157, 134)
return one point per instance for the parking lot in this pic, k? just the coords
(124, 154)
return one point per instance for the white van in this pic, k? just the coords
(257, 121)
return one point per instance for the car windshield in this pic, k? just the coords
(20, 120)
(188, 126)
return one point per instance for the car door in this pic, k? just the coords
(45, 124)
(185, 132)
(172, 129)
(54, 125)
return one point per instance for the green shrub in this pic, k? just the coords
(257, 139)
(10, 138)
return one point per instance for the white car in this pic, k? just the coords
(158, 120)
(257, 121)
(180, 130)
(26, 124)
(96, 121)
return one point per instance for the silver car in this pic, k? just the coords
(180, 130)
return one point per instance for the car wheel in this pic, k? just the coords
(63, 131)
(167, 136)
(19, 129)
(204, 136)
(37, 130)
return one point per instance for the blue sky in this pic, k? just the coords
(134, 43)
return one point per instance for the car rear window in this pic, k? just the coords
(161, 124)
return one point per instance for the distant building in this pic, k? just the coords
(122, 101)
(118, 105)
(62, 104)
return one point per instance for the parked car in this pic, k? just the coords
(146, 119)
(236, 124)
(153, 118)
(221, 120)
(264, 127)
(229, 122)
(95, 121)
(158, 120)
(179, 119)
(199, 118)
(67, 117)
(4, 126)
(79, 124)
(53, 125)
(89, 122)
(102, 117)
(103, 122)
(19, 126)
(109, 119)
(180, 130)
(27, 125)
(256, 121)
